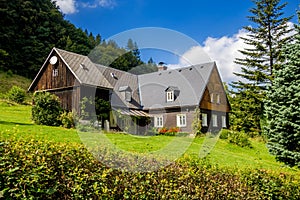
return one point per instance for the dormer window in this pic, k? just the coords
(170, 96)
(126, 93)
(172, 93)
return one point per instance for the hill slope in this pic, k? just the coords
(8, 80)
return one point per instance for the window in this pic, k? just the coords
(211, 97)
(128, 96)
(215, 120)
(218, 98)
(170, 96)
(55, 72)
(158, 121)
(181, 120)
(204, 119)
(224, 121)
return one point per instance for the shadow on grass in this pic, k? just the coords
(14, 123)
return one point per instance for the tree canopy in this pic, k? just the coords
(30, 29)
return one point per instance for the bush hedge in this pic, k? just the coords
(47, 170)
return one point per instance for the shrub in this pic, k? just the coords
(239, 138)
(67, 119)
(46, 170)
(224, 134)
(168, 131)
(16, 94)
(46, 109)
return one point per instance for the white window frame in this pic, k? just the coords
(212, 97)
(170, 96)
(214, 120)
(181, 120)
(55, 72)
(224, 124)
(158, 121)
(204, 119)
(218, 99)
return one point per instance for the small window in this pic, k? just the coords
(215, 120)
(204, 119)
(211, 97)
(181, 120)
(224, 121)
(128, 96)
(55, 72)
(218, 98)
(158, 121)
(170, 96)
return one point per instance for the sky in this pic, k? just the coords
(176, 32)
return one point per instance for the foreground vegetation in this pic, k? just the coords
(53, 162)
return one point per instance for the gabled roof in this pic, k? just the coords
(190, 81)
(81, 66)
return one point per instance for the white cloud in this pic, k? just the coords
(67, 6)
(224, 50)
(100, 3)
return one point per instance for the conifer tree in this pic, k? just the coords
(265, 39)
(283, 106)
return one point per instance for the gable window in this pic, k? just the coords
(215, 120)
(224, 121)
(55, 72)
(218, 98)
(126, 93)
(181, 120)
(170, 96)
(158, 121)
(211, 97)
(204, 119)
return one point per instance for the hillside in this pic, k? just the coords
(7, 80)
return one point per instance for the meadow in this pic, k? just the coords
(58, 163)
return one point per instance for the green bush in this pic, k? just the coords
(16, 94)
(47, 170)
(67, 119)
(239, 138)
(224, 134)
(46, 109)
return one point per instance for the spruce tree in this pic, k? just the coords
(283, 107)
(265, 39)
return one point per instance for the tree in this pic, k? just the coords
(30, 29)
(283, 107)
(266, 41)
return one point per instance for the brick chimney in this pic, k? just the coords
(161, 66)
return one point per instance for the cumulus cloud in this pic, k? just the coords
(222, 50)
(67, 6)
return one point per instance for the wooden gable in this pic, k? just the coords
(54, 77)
(214, 96)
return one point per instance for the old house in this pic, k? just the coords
(167, 98)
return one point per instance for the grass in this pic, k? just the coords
(15, 121)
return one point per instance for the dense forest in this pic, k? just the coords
(30, 29)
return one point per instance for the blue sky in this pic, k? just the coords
(215, 25)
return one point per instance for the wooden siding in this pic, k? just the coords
(47, 80)
(215, 87)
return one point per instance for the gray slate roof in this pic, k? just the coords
(190, 81)
(83, 69)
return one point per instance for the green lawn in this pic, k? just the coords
(15, 121)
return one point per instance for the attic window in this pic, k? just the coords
(55, 72)
(126, 93)
(170, 96)
(172, 93)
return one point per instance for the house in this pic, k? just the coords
(166, 98)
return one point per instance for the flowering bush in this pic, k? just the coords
(168, 131)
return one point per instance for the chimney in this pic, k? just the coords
(161, 66)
